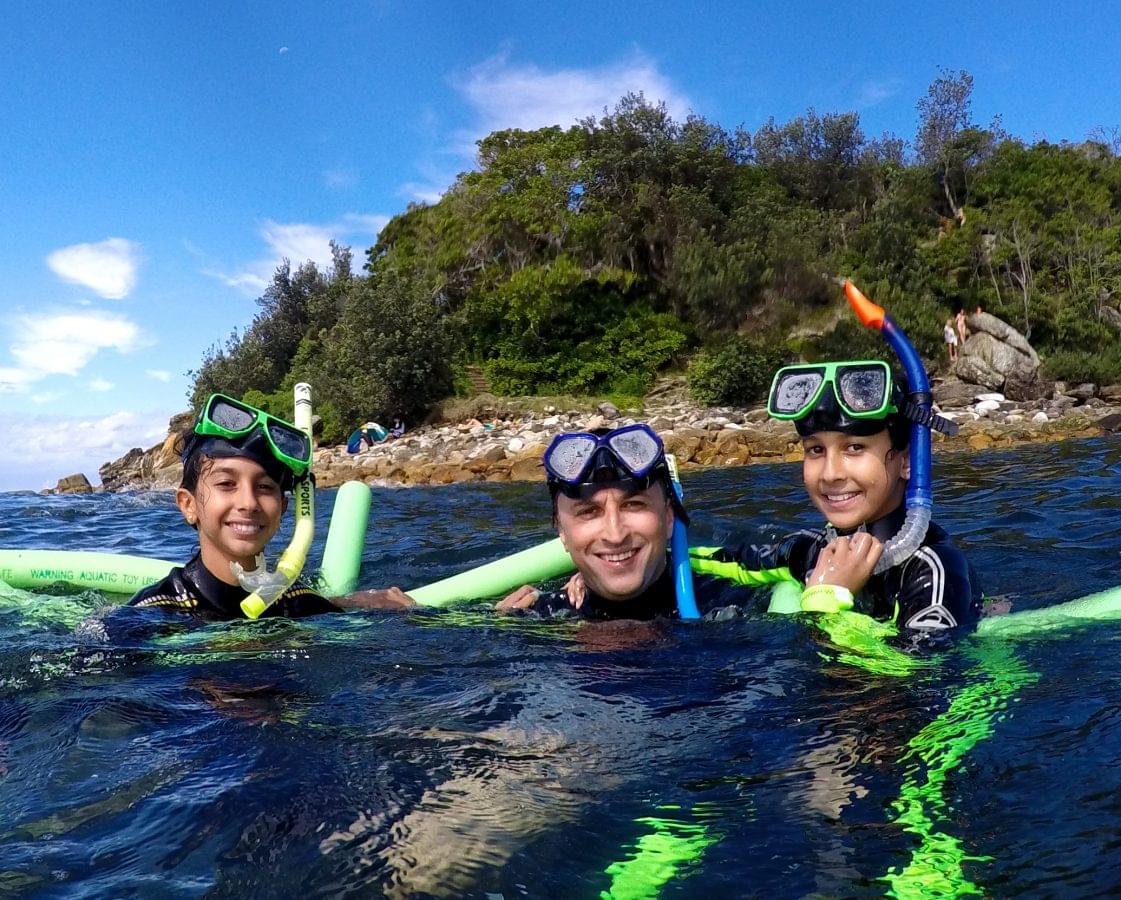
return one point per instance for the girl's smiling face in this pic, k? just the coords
(854, 479)
(237, 508)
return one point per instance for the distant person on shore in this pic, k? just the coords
(949, 335)
(398, 428)
(962, 328)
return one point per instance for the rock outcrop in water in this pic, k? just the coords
(156, 467)
(508, 447)
(74, 484)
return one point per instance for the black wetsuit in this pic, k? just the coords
(194, 590)
(933, 589)
(713, 595)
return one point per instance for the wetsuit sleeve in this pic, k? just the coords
(754, 565)
(939, 590)
(299, 601)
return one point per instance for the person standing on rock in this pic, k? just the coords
(949, 335)
(962, 328)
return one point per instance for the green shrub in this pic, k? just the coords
(1078, 366)
(622, 358)
(735, 374)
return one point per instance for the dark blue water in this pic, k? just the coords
(461, 754)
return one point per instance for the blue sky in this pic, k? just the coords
(157, 160)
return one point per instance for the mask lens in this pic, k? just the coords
(637, 450)
(568, 456)
(230, 416)
(290, 441)
(863, 390)
(795, 391)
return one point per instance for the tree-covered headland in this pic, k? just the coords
(584, 260)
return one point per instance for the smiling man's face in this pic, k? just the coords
(617, 538)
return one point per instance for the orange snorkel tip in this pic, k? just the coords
(868, 312)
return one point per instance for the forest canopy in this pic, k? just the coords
(584, 260)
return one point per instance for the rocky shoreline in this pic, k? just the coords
(508, 446)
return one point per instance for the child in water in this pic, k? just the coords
(238, 465)
(855, 435)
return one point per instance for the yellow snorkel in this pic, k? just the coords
(266, 586)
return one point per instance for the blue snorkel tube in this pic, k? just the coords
(679, 552)
(920, 497)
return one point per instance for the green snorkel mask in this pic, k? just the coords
(228, 427)
(853, 397)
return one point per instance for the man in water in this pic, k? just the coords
(614, 507)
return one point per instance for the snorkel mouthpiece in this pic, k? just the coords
(920, 497)
(267, 587)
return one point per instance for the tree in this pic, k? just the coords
(390, 354)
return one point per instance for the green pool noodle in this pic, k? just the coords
(540, 563)
(658, 858)
(1103, 606)
(111, 573)
(786, 598)
(346, 536)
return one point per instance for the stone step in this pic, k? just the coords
(478, 379)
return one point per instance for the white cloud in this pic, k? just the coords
(100, 385)
(159, 375)
(873, 93)
(423, 192)
(108, 268)
(63, 344)
(299, 242)
(504, 95)
(35, 450)
(340, 179)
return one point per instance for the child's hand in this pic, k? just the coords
(576, 590)
(523, 598)
(847, 562)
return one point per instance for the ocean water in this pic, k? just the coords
(458, 753)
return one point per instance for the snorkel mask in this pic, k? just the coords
(856, 397)
(228, 427)
(633, 457)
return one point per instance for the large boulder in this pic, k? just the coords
(950, 393)
(994, 351)
(74, 484)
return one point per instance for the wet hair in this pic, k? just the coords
(198, 451)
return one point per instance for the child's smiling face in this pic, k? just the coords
(854, 479)
(237, 508)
